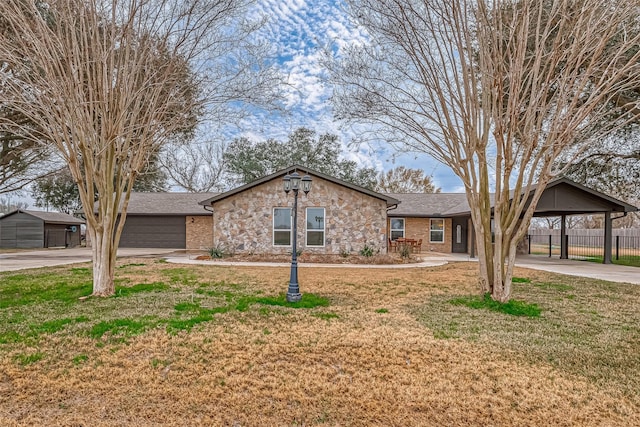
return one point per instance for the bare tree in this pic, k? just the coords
(21, 160)
(405, 180)
(108, 82)
(196, 167)
(8, 205)
(494, 89)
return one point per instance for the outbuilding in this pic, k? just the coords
(27, 229)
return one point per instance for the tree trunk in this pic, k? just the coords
(104, 260)
(497, 260)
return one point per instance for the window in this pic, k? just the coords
(281, 226)
(397, 228)
(458, 234)
(315, 226)
(436, 231)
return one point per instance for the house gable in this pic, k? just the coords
(243, 220)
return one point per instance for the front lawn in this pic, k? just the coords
(213, 345)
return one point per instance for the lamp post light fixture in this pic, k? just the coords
(294, 182)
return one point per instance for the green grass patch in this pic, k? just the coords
(513, 307)
(307, 301)
(520, 280)
(22, 289)
(10, 337)
(28, 359)
(187, 306)
(382, 310)
(122, 327)
(133, 264)
(199, 315)
(554, 286)
(80, 359)
(326, 316)
(203, 315)
(123, 291)
(51, 326)
(181, 276)
(629, 260)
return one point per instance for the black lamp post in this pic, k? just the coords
(294, 182)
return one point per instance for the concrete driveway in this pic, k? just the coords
(594, 270)
(51, 257)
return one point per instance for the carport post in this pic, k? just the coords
(606, 259)
(564, 250)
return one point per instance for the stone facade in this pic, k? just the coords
(199, 232)
(419, 228)
(243, 221)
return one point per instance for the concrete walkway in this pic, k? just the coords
(611, 272)
(186, 259)
(52, 257)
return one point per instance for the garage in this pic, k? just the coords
(154, 232)
(167, 220)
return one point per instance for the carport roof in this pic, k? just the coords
(49, 217)
(561, 196)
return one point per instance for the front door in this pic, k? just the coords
(459, 235)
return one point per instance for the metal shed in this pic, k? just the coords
(26, 229)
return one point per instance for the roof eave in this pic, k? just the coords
(389, 200)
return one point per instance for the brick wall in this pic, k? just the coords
(418, 228)
(244, 221)
(199, 232)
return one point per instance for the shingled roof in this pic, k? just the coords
(388, 199)
(167, 203)
(429, 205)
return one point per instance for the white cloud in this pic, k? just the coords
(300, 29)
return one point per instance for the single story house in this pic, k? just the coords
(335, 216)
(26, 229)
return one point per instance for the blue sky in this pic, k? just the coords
(298, 30)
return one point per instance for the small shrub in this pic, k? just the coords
(218, 251)
(345, 253)
(405, 251)
(367, 251)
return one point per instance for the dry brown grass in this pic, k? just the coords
(282, 366)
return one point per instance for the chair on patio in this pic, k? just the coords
(416, 247)
(393, 245)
